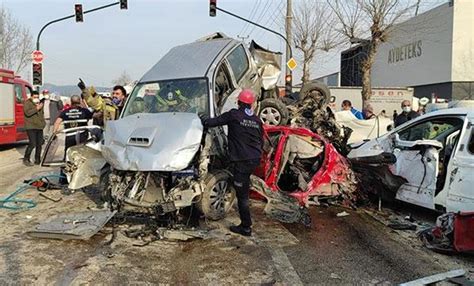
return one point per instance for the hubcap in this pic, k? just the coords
(270, 116)
(220, 196)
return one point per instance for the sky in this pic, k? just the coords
(112, 41)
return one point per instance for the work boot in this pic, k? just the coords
(27, 163)
(242, 230)
(37, 162)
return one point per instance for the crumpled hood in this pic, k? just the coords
(152, 142)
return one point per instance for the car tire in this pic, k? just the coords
(273, 111)
(320, 87)
(218, 195)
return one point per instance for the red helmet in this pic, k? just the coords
(247, 96)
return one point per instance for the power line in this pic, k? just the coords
(262, 14)
(252, 14)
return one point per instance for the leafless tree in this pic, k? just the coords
(16, 42)
(313, 30)
(123, 79)
(369, 22)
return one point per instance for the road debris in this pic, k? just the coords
(451, 234)
(342, 214)
(436, 278)
(51, 198)
(81, 225)
(335, 276)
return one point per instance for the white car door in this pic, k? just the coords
(460, 178)
(420, 150)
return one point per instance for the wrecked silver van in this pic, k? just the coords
(157, 158)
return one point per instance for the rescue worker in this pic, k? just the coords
(406, 115)
(76, 116)
(104, 109)
(171, 98)
(347, 105)
(33, 110)
(245, 141)
(119, 96)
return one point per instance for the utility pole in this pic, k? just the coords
(288, 21)
(417, 7)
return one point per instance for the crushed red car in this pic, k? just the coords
(300, 168)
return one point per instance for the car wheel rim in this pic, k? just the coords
(270, 115)
(220, 197)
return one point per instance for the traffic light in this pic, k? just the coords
(79, 13)
(37, 74)
(212, 8)
(288, 85)
(123, 4)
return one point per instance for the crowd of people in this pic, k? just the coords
(45, 114)
(406, 114)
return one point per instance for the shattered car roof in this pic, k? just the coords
(191, 60)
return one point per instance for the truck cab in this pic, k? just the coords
(13, 92)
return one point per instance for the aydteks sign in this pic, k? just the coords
(405, 52)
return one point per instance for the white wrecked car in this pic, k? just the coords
(157, 157)
(428, 161)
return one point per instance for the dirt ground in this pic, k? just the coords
(355, 249)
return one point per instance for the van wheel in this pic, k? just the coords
(273, 112)
(218, 195)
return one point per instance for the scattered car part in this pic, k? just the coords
(452, 233)
(81, 225)
(435, 278)
(312, 111)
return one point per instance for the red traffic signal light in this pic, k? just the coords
(212, 8)
(123, 4)
(37, 74)
(79, 13)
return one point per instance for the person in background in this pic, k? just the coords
(55, 108)
(369, 112)
(119, 95)
(33, 109)
(395, 114)
(406, 115)
(383, 113)
(347, 105)
(45, 99)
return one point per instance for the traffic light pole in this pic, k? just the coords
(68, 17)
(288, 83)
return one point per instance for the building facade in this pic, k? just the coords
(433, 53)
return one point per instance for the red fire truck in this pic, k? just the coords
(13, 92)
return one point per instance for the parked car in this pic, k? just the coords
(13, 92)
(428, 161)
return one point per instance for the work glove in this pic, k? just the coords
(203, 116)
(81, 84)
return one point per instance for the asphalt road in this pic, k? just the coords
(350, 250)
